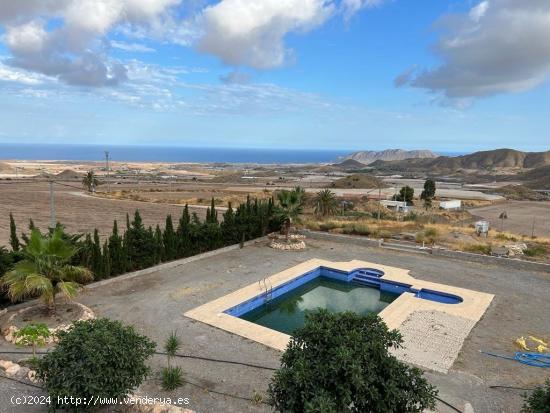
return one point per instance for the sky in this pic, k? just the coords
(445, 75)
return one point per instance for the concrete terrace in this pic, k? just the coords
(155, 304)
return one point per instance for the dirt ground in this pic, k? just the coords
(520, 216)
(155, 304)
(74, 209)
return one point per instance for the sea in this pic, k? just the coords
(146, 153)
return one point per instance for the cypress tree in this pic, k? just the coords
(14, 241)
(140, 244)
(160, 250)
(169, 240)
(229, 231)
(183, 234)
(97, 258)
(211, 213)
(106, 269)
(116, 252)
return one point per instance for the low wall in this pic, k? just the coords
(486, 259)
(439, 252)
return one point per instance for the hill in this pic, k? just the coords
(361, 181)
(368, 157)
(538, 178)
(350, 164)
(484, 160)
(69, 175)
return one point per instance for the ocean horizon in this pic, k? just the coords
(146, 153)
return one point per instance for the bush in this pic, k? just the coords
(534, 251)
(100, 358)
(341, 363)
(478, 248)
(356, 229)
(539, 400)
(172, 378)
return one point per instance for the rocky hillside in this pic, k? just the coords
(485, 160)
(368, 157)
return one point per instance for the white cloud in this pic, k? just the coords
(132, 47)
(9, 74)
(74, 51)
(499, 46)
(251, 33)
(351, 7)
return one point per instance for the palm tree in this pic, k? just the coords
(325, 202)
(289, 207)
(90, 181)
(46, 270)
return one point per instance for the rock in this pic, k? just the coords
(13, 370)
(6, 364)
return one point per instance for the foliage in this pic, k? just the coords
(325, 203)
(478, 248)
(33, 335)
(172, 345)
(290, 207)
(539, 400)
(172, 377)
(45, 270)
(406, 194)
(14, 240)
(90, 181)
(139, 247)
(534, 251)
(428, 194)
(357, 228)
(95, 358)
(341, 363)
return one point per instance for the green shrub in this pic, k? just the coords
(539, 400)
(329, 225)
(478, 248)
(172, 377)
(100, 358)
(341, 363)
(357, 229)
(535, 251)
(33, 335)
(430, 232)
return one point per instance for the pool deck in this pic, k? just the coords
(472, 307)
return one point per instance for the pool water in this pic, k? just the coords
(287, 312)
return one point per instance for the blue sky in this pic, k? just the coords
(323, 74)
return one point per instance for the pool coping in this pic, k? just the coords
(472, 307)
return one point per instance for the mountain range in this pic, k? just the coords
(368, 157)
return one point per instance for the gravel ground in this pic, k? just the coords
(154, 304)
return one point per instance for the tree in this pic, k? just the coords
(406, 194)
(289, 208)
(159, 250)
(139, 243)
(116, 252)
(229, 230)
(539, 400)
(106, 269)
(183, 235)
(45, 270)
(90, 181)
(428, 194)
(97, 258)
(325, 203)
(170, 241)
(14, 240)
(341, 363)
(95, 358)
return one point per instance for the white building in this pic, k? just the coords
(451, 205)
(398, 206)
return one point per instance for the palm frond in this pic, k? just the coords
(76, 274)
(68, 288)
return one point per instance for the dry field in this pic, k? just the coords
(520, 216)
(77, 211)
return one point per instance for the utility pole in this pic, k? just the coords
(379, 201)
(52, 207)
(533, 229)
(107, 167)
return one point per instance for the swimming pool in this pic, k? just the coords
(362, 290)
(287, 312)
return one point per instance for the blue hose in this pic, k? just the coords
(531, 359)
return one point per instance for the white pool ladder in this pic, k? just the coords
(268, 288)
